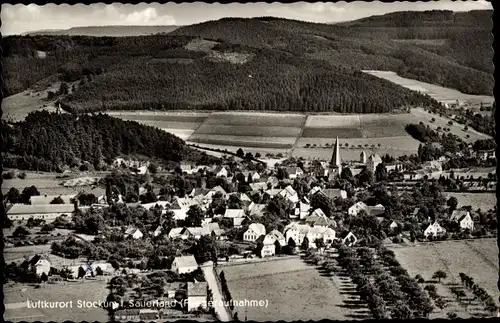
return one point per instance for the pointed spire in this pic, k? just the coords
(336, 154)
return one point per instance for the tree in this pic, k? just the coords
(234, 202)
(57, 200)
(21, 231)
(27, 193)
(305, 244)
(195, 216)
(452, 315)
(277, 247)
(459, 293)
(81, 272)
(452, 203)
(240, 153)
(419, 279)
(381, 172)
(291, 243)
(441, 303)
(44, 277)
(401, 311)
(282, 173)
(99, 271)
(13, 195)
(346, 174)
(439, 275)
(153, 168)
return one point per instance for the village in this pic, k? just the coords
(175, 227)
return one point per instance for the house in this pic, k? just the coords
(48, 212)
(184, 264)
(134, 233)
(197, 295)
(334, 193)
(273, 180)
(268, 246)
(47, 199)
(296, 232)
(393, 225)
(294, 172)
(180, 214)
(219, 234)
(256, 187)
(372, 162)
(349, 239)
(320, 169)
(197, 232)
(255, 176)
(314, 190)
(356, 208)
(175, 233)
(463, 218)
(158, 231)
(273, 192)
(290, 194)
(212, 226)
(39, 264)
(255, 230)
(434, 230)
(214, 190)
(320, 232)
(221, 171)
(279, 237)
(240, 221)
(300, 211)
(234, 213)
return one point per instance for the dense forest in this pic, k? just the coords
(288, 65)
(49, 142)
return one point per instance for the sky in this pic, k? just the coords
(17, 19)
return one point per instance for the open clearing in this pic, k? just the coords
(477, 258)
(293, 289)
(91, 291)
(435, 91)
(483, 201)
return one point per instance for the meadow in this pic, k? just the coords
(483, 201)
(477, 258)
(293, 289)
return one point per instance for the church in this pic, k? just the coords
(335, 163)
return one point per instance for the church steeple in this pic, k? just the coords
(336, 155)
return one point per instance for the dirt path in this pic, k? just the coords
(221, 310)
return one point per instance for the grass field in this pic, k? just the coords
(437, 92)
(91, 291)
(293, 289)
(224, 141)
(248, 131)
(483, 201)
(476, 258)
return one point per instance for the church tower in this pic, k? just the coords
(335, 163)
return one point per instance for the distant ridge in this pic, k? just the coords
(103, 31)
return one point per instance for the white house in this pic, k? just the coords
(255, 230)
(221, 172)
(290, 194)
(39, 264)
(294, 172)
(324, 233)
(334, 193)
(463, 218)
(197, 295)
(300, 211)
(297, 232)
(234, 213)
(356, 208)
(134, 233)
(268, 246)
(184, 264)
(349, 239)
(257, 209)
(175, 233)
(198, 232)
(434, 229)
(278, 236)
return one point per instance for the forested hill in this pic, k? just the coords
(49, 142)
(261, 64)
(106, 31)
(441, 47)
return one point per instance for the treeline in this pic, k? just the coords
(48, 142)
(270, 81)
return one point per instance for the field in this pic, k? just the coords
(16, 297)
(476, 258)
(293, 289)
(437, 92)
(16, 253)
(483, 201)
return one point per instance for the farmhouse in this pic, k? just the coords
(324, 233)
(184, 264)
(356, 208)
(268, 246)
(434, 230)
(255, 230)
(197, 295)
(463, 218)
(39, 264)
(48, 212)
(376, 210)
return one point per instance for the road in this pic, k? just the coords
(221, 310)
